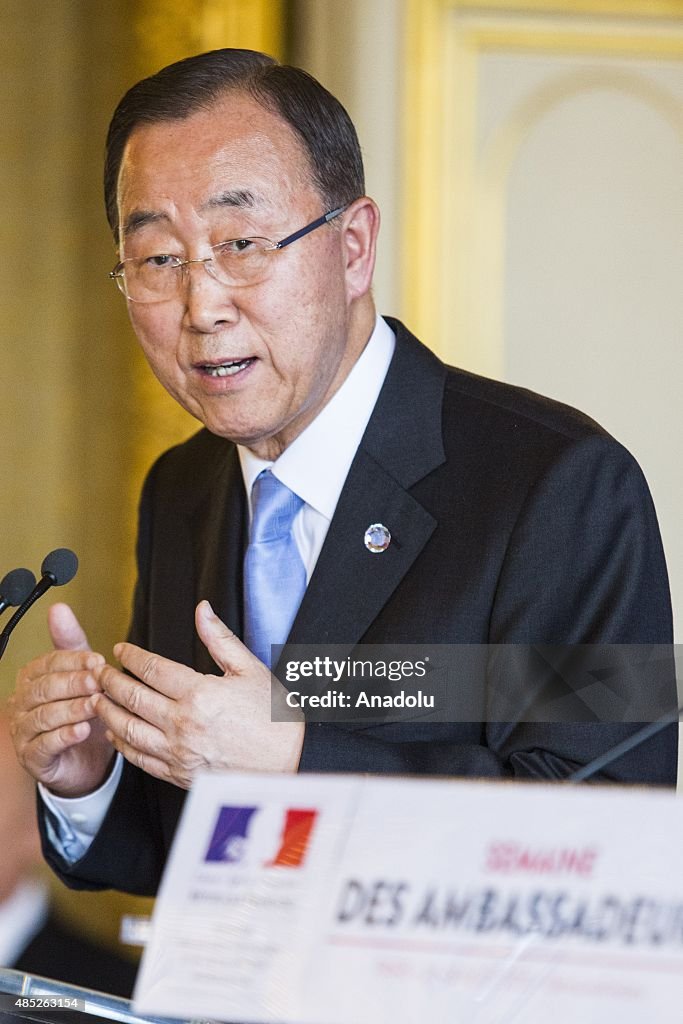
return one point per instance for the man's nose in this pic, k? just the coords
(209, 303)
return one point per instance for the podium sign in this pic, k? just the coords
(361, 900)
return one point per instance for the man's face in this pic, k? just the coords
(232, 171)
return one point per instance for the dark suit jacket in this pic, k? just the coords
(59, 953)
(514, 520)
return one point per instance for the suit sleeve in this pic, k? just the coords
(584, 562)
(589, 535)
(583, 565)
(129, 850)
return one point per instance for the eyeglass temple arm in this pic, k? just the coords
(310, 227)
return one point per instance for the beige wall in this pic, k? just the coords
(353, 47)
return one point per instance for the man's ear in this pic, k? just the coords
(360, 226)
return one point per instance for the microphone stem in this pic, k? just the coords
(643, 734)
(41, 587)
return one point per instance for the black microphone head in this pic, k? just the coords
(16, 586)
(60, 565)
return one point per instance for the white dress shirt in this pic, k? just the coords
(315, 466)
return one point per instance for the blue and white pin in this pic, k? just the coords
(377, 538)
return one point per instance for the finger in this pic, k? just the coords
(60, 661)
(65, 630)
(48, 717)
(164, 676)
(45, 747)
(137, 697)
(146, 762)
(128, 729)
(226, 649)
(51, 687)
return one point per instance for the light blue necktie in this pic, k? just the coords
(274, 574)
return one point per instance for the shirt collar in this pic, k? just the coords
(315, 465)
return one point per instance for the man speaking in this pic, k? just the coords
(347, 487)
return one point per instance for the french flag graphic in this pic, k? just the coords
(231, 839)
(295, 836)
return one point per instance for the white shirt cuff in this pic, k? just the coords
(75, 821)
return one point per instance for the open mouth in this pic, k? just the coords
(226, 369)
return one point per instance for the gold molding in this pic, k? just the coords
(421, 228)
(577, 40)
(484, 345)
(451, 215)
(177, 28)
(621, 8)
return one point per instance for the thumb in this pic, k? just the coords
(226, 649)
(65, 629)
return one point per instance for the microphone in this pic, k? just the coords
(58, 568)
(15, 587)
(587, 771)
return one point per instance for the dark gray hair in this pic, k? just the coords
(196, 83)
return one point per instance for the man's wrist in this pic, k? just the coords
(85, 805)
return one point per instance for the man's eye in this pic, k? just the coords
(160, 261)
(236, 246)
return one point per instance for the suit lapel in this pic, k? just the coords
(401, 445)
(351, 585)
(218, 533)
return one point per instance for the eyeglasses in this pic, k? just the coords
(237, 261)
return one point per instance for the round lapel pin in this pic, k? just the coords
(377, 538)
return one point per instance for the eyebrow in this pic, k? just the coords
(139, 218)
(239, 198)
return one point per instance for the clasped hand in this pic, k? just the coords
(173, 722)
(71, 711)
